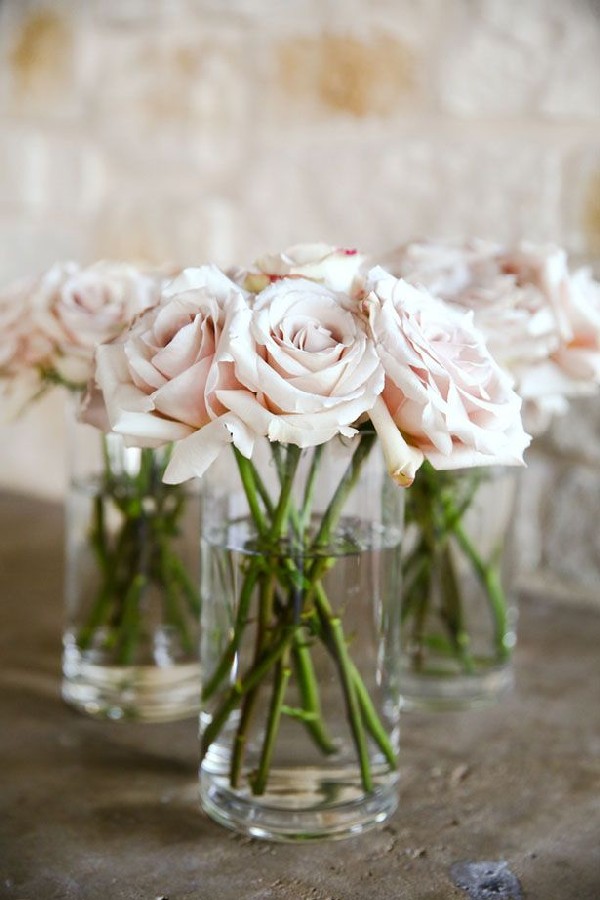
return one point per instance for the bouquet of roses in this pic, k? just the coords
(541, 323)
(306, 348)
(51, 326)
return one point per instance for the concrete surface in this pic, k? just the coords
(109, 812)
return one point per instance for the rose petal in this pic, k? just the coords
(196, 453)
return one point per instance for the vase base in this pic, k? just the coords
(134, 693)
(422, 691)
(282, 817)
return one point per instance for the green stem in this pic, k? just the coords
(98, 533)
(309, 490)
(309, 692)
(263, 493)
(99, 614)
(109, 601)
(371, 719)
(281, 677)
(241, 688)
(287, 483)
(233, 646)
(452, 611)
(422, 594)
(344, 488)
(413, 571)
(241, 736)
(265, 613)
(489, 577)
(174, 615)
(181, 576)
(130, 623)
(246, 470)
(333, 629)
(101, 608)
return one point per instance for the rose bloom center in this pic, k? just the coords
(309, 335)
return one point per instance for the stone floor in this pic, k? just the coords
(109, 811)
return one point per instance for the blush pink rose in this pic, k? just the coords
(336, 268)
(308, 367)
(22, 343)
(25, 348)
(162, 379)
(50, 325)
(88, 307)
(540, 322)
(443, 389)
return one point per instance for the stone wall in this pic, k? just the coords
(181, 130)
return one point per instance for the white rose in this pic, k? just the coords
(161, 381)
(24, 348)
(544, 327)
(308, 365)
(21, 344)
(540, 322)
(334, 267)
(78, 309)
(444, 268)
(443, 389)
(513, 313)
(578, 355)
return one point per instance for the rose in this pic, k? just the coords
(299, 369)
(569, 304)
(308, 367)
(334, 267)
(23, 345)
(540, 322)
(511, 294)
(444, 268)
(579, 353)
(160, 381)
(50, 325)
(540, 299)
(574, 302)
(87, 307)
(443, 389)
(24, 348)
(512, 312)
(573, 368)
(22, 351)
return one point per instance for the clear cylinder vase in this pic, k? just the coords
(458, 588)
(300, 640)
(131, 640)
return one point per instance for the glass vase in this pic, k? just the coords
(131, 642)
(300, 640)
(458, 597)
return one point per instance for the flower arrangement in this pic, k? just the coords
(306, 349)
(540, 321)
(542, 325)
(299, 362)
(52, 325)
(426, 353)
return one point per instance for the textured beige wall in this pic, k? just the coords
(183, 130)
